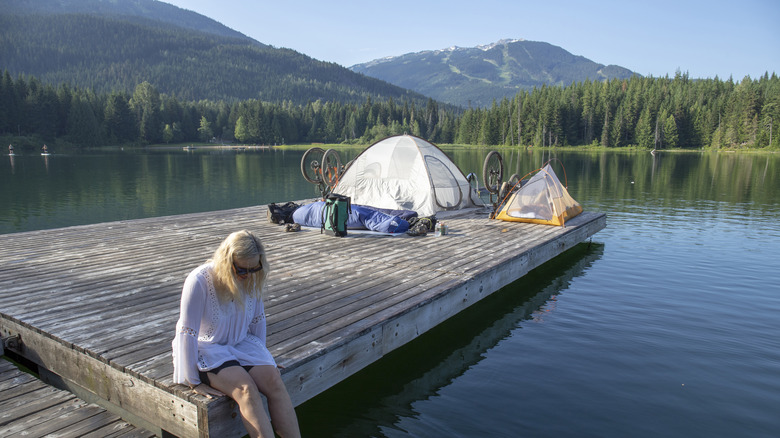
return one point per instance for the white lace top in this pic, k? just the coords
(209, 333)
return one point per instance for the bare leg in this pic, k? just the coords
(240, 386)
(270, 383)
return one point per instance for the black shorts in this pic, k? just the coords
(204, 378)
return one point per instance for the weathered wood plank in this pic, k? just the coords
(31, 408)
(60, 416)
(133, 394)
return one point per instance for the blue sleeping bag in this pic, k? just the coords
(362, 217)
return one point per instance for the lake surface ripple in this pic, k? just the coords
(665, 324)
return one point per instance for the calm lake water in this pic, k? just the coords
(666, 324)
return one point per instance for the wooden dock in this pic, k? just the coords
(31, 408)
(97, 304)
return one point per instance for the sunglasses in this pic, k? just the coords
(245, 271)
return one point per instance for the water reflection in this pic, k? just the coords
(107, 185)
(700, 228)
(386, 391)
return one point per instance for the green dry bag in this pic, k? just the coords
(335, 213)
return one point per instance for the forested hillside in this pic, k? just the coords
(475, 76)
(117, 52)
(645, 112)
(124, 9)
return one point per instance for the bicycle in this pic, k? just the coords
(322, 168)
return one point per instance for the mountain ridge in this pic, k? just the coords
(114, 45)
(467, 76)
(150, 9)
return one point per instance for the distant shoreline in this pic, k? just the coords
(24, 147)
(185, 146)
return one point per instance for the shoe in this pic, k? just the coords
(419, 229)
(292, 227)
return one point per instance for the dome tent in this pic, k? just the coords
(541, 200)
(405, 172)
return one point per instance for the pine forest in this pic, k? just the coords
(644, 112)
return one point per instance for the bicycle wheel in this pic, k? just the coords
(493, 171)
(310, 165)
(331, 167)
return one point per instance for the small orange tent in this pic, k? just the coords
(541, 200)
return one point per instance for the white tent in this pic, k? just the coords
(406, 173)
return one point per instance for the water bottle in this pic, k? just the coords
(437, 233)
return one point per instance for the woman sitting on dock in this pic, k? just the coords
(219, 346)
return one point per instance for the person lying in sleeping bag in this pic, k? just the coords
(362, 217)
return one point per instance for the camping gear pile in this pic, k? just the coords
(334, 212)
(397, 185)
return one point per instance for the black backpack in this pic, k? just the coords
(281, 214)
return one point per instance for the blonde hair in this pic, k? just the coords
(239, 245)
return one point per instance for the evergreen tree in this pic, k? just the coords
(605, 132)
(431, 118)
(83, 128)
(118, 119)
(42, 105)
(618, 128)
(146, 105)
(167, 134)
(489, 128)
(242, 130)
(64, 99)
(415, 129)
(204, 131)
(644, 130)
(178, 134)
(670, 132)
(8, 104)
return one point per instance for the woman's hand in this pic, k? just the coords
(206, 390)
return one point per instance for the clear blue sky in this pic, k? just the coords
(705, 38)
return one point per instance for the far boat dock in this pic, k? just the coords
(95, 306)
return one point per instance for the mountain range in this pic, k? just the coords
(114, 45)
(478, 75)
